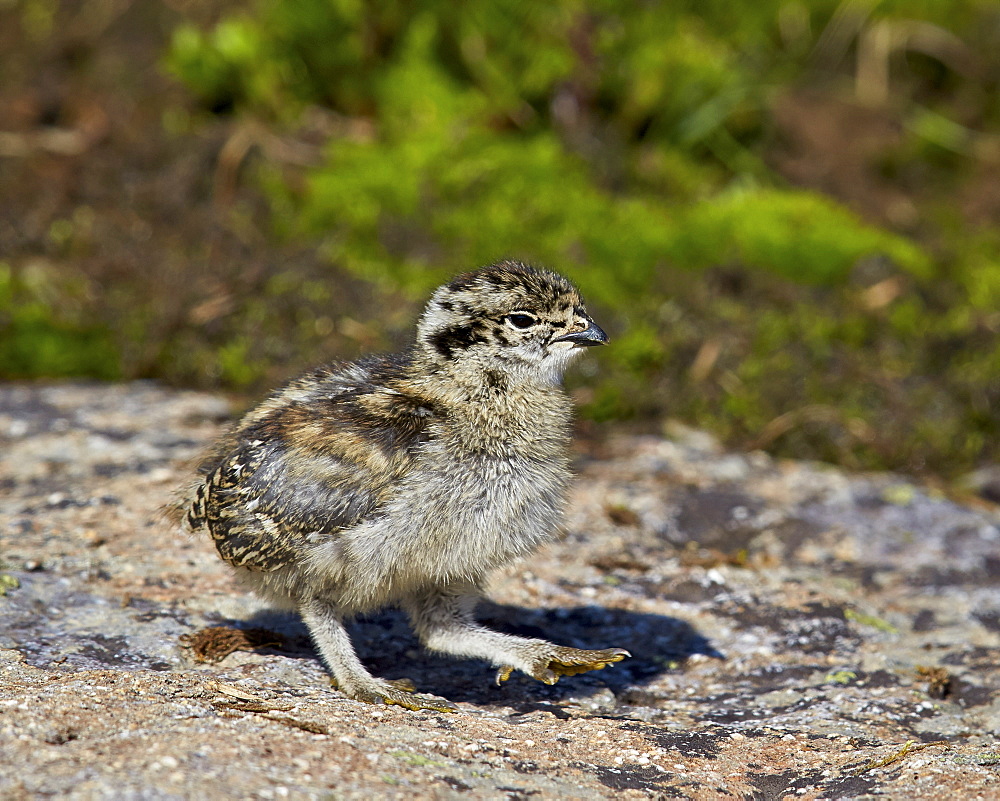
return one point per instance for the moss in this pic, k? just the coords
(417, 760)
(632, 146)
(47, 328)
(841, 676)
(870, 620)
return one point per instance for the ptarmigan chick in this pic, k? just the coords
(406, 479)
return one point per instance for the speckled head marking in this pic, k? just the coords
(517, 316)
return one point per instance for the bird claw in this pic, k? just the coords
(415, 702)
(398, 692)
(566, 661)
(563, 661)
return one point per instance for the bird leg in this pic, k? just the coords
(349, 675)
(444, 622)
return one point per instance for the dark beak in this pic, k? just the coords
(592, 335)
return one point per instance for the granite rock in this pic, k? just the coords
(796, 632)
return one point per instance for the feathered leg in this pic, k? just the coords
(327, 629)
(444, 622)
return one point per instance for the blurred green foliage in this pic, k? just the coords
(625, 143)
(44, 330)
(632, 145)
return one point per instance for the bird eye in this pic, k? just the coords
(520, 321)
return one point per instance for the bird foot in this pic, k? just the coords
(404, 684)
(564, 661)
(397, 692)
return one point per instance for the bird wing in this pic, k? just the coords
(307, 469)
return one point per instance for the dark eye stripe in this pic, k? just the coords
(457, 337)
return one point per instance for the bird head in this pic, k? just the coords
(509, 318)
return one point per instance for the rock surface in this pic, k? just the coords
(796, 632)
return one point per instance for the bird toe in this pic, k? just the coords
(395, 693)
(564, 661)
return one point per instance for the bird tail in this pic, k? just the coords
(187, 509)
(195, 516)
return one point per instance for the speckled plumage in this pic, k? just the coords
(406, 479)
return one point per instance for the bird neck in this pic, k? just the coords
(491, 410)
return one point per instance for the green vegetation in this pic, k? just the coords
(840, 676)
(794, 282)
(44, 329)
(870, 620)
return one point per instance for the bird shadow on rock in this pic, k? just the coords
(388, 647)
